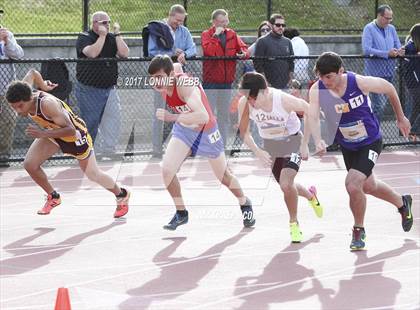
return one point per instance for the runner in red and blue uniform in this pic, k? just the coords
(195, 132)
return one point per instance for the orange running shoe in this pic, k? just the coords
(49, 205)
(122, 205)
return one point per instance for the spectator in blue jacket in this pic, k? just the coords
(380, 39)
(184, 45)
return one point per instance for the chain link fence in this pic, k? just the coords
(130, 121)
(58, 17)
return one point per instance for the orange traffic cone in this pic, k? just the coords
(63, 300)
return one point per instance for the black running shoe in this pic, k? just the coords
(177, 220)
(247, 213)
(358, 239)
(405, 211)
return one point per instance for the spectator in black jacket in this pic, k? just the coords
(412, 78)
(95, 89)
(277, 71)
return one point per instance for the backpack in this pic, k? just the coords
(145, 35)
(56, 71)
(163, 35)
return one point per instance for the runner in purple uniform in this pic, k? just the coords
(343, 98)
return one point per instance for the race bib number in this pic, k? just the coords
(215, 136)
(373, 156)
(279, 132)
(273, 131)
(356, 101)
(80, 140)
(183, 109)
(353, 132)
(295, 158)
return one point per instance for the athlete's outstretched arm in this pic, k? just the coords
(34, 79)
(243, 116)
(197, 116)
(192, 96)
(292, 103)
(304, 148)
(54, 111)
(370, 84)
(314, 122)
(178, 68)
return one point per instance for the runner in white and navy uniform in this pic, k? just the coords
(275, 114)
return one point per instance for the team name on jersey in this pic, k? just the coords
(353, 103)
(262, 117)
(342, 108)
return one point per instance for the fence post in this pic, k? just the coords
(186, 9)
(85, 15)
(269, 9)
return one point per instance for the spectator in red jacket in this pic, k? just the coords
(218, 75)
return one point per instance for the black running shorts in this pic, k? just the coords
(364, 159)
(284, 153)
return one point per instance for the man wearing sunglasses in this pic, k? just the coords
(277, 71)
(95, 88)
